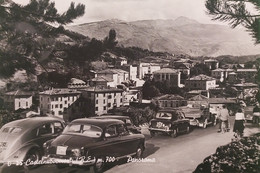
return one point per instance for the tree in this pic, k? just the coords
(236, 12)
(110, 41)
(27, 38)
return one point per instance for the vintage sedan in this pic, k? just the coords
(129, 124)
(94, 142)
(170, 121)
(21, 141)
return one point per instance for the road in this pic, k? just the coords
(166, 154)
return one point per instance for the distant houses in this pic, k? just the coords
(18, 99)
(170, 101)
(200, 82)
(171, 76)
(54, 101)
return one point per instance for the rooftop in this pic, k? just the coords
(18, 93)
(170, 97)
(60, 91)
(199, 98)
(166, 70)
(101, 89)
(202, 77)
(249, 70)
(102, 78)
(112, 71)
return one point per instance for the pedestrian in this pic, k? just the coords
(239, 124)
(223, 117)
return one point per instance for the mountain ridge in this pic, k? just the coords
(179, 36)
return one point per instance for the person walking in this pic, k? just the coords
(223, 117)
(239, 123)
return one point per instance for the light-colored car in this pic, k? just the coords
(22, 140)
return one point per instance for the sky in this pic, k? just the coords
(132, 10)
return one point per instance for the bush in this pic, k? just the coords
(241, 156)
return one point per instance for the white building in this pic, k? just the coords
(169, 75)
(211, 63)
(15, 100)
(200, 82)
(55, 100)
(147, 69)
(117, 75)
(103, 99)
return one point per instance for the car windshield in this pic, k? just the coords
(13, 130)
(164, 115)
(83, 129)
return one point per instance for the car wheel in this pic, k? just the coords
(99, 164)
(32, 156)
(174, 133)
(139, 152)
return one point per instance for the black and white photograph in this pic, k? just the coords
(129, 86)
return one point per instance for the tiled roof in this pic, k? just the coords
(112, 71)
(249, 70)
(102, 89)
(169, 97)
(202, 77)
(198, 98)
(102, 78)
(60, 91)
(166, 70)
(18, 93)
(76, 81)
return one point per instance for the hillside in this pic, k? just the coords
(179, 36)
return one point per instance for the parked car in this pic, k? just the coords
(94, 142)
(129, 124)
(171, 121)
(22, 140)
(200, 117)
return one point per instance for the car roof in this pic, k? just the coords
(111, 117)
(31, 122)
(97, 122)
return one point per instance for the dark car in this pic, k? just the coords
(22, 140)
(129, 124)
(171, 122)
(94, 142)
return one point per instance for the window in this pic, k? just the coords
(65, 101)
(104, 101)
(96, 108)
(109, 96)
(121, 100)
(104, 95)
(96, 101)
(46, 129)
(109, 105)
(121, 129)
(105, 108)
(73, 98)
(61, 99)
(60, 112)
(60, 105)
(111, 131)
(56, 106)
(19, 104)
(68, 97)
(52, 99)
(114, 94)
(57, 127)
(52, 106)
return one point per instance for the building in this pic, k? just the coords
(218, 74)
(170, 101)
(200, 82)
(173, 77)
(102, 81)
(248, 75)
(120, 61)
(147, 68)
(211, 64)
(193, 93)
(232, 77)
(117, 75)
(103, 99)
(76, 84)
(18, 99)
(56, 100)
(132, 71)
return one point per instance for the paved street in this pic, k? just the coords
(176, 155)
